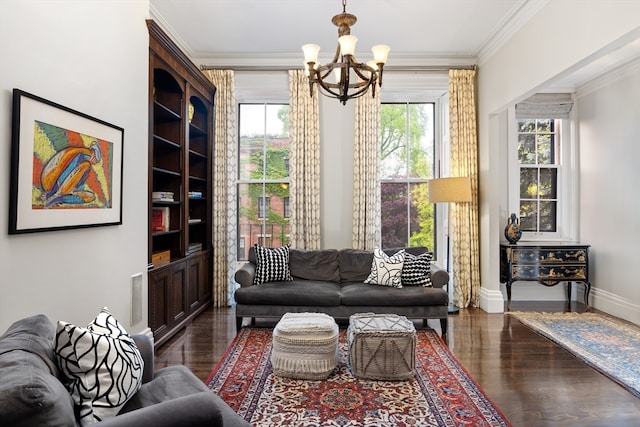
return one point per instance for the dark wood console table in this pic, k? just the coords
(545, 263)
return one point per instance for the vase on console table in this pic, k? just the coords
(512, 231)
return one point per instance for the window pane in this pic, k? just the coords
(421, 133)
(251, 132)
(526, 126)
(548, 183)
(548, 216)
(261, 215)
(277, 141)
(544, 149)
(393, 149)
(526, 149)
(394, 214)
(528, 183)
(421, 224)
(528, 216)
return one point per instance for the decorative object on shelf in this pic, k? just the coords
(66, 168)
(512, 231)
(192, 110)
(352, 78)
(450, 190)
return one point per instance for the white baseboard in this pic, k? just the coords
(491, 301)
(615, 305)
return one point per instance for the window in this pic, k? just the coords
(542, 183)
(286, 212)
(406, 164)
(263, 176)
(263, 205)
(538, 143)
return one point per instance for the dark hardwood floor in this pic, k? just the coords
(533, 381)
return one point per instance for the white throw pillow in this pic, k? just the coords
(386, 270)
(101, 364)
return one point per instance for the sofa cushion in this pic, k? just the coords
(361, 294)
(272, 264)
(296, 292)
(168, 383)
(386, 270)
(101, 365)
(416, 270)
(355, 264)
(314, 264)
(30, 392)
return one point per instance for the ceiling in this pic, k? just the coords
(443, 31)
(269, 33)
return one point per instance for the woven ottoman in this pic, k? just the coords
(305, 346)
(381, 346)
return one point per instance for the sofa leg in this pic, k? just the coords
(443, 325)
(238, 323)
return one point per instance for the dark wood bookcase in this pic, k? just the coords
(180, 167)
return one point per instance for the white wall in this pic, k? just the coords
(92, 57)
(567, 33)
(609, 108)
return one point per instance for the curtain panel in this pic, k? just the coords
(225, 170)
(366, 232)
(464, 162)
(304, 162)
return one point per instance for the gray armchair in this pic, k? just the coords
(31, 393)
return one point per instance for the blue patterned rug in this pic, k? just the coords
(610, 345)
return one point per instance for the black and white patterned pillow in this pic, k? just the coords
(386, 270)
(101, 365)
(417, 269)
(272, 264)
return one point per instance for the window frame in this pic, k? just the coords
(263, 202)
(567, 180)
(438, 137)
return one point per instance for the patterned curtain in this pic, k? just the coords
(464, 162)
(304, 162)
(224, 187)
(366, 164)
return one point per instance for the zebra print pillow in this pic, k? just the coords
(101, 365)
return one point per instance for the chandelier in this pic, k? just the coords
(351, 79)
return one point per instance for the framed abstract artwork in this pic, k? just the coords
(66, 168)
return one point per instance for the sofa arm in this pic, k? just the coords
(439, 276)
(245, 274)
(199, 409)
(145, 346)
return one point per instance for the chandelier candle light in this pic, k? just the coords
(352, 78)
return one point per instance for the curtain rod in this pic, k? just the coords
(386, 68)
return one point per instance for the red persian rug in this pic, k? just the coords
(441, 394)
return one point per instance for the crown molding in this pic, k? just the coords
(521, 13)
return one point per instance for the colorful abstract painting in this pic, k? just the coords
(70, 170)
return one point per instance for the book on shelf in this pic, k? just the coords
(195, 194)
(160, 219)
(193, 248)
(162, 196)
(195, 220)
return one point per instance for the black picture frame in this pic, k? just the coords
(66, 168)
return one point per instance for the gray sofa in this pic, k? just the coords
(331, 281)
(31, 393)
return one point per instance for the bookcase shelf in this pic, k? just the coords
(180, 162)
